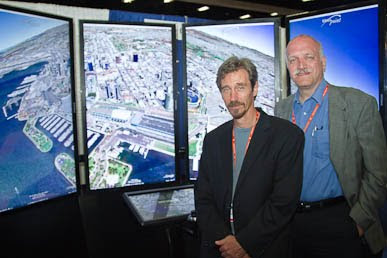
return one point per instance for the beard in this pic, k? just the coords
(238, 112)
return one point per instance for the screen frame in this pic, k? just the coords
(166, 220)
(382, 92)
(76, 156)
(85, 158)
(383, 60)
(277, 72)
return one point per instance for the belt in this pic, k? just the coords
(309, 206)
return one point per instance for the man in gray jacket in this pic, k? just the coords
(345, 161)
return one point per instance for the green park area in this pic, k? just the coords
(120, 44)
(66, 165)
(120, 169)
(40, 140)
(164, 147)
(193, 148)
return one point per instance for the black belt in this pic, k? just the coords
(309, 206)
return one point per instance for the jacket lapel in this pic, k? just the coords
(337, 127)
(337, 124)
(227, 159)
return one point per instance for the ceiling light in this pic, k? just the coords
(307, 0)
(127, 1)
(246, 16)
(203, 8)
(274, 14)
(168, 1)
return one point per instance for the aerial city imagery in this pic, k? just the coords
(36, 139)
(206, 48)
(129, 104)
(155, 206)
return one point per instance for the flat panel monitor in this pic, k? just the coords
(161, 205)
(385, 74)
(129, 94)
(207, 46)
(37, 159)
(350, 41)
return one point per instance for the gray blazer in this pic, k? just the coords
(358, 153)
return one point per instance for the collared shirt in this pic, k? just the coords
(320, 178)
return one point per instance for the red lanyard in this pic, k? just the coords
(257, 115)
(313, 112)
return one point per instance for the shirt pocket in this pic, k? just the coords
(320, 142)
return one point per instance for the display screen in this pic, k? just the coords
(129, 90)
(207, 47)
(161, 205)
(350, 42)
(385, 77)
(36, 118)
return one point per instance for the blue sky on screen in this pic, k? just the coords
(350, 43)
(258, 36)
(17, 27)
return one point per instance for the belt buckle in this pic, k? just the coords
(303, 207)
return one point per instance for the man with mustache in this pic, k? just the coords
(345, 169)
(250, 174)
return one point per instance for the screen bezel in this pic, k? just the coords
(73, 106)
(84, 112)
(164, 220)
(277, 72)
(383, 61)
(382, 92)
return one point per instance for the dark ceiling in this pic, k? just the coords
(219, 9)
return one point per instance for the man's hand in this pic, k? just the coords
(230, 248)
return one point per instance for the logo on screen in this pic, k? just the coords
(331, 20)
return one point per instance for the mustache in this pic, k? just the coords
(301, 71)
(234, 104)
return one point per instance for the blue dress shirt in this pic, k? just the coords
(320, 178)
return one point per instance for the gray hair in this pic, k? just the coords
(233, 64)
